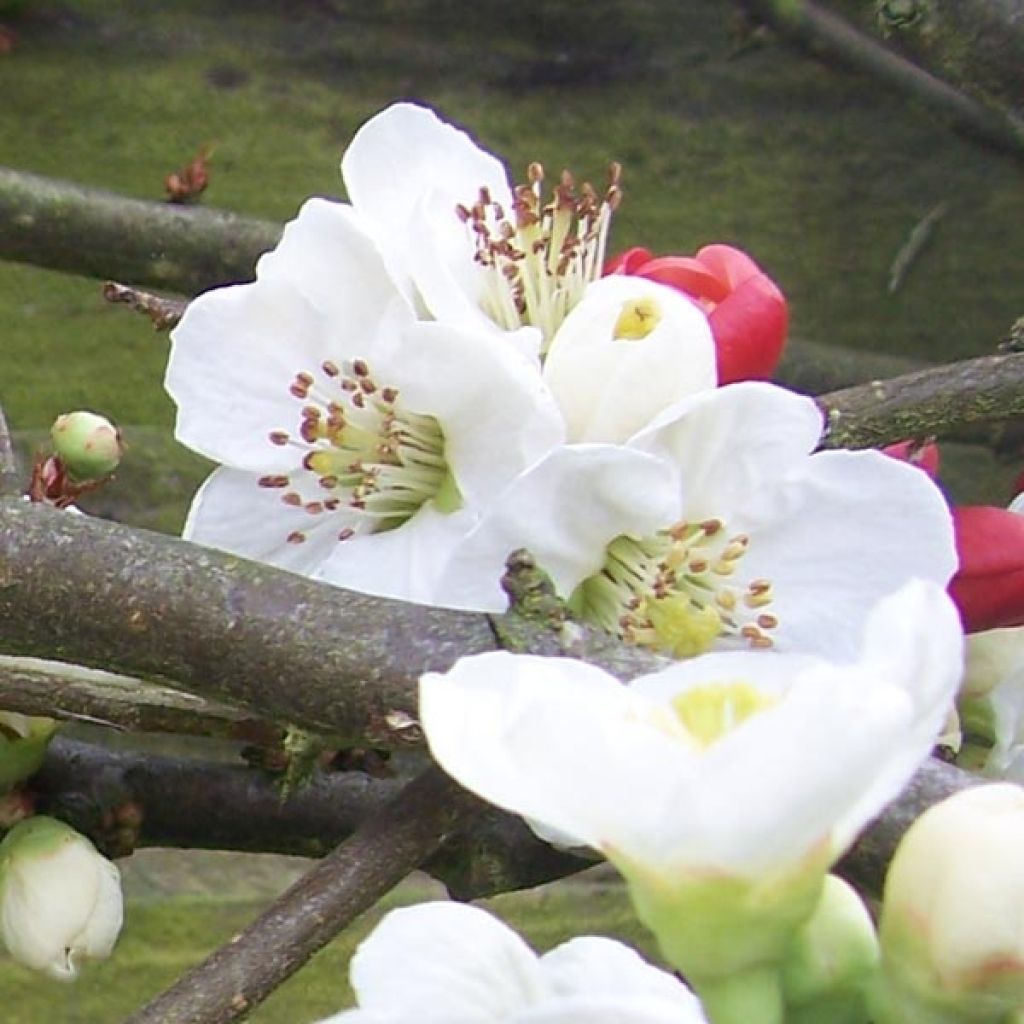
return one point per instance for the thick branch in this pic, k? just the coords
(927, 402)
(74, 693)
(98, 234)
(239, 975)
(103, 595)
(824, 32)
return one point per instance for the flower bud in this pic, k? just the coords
(23, 743)
(952, 943)
(89, 445)
(60, 900)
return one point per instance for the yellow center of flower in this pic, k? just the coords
(366, 456)
(678, 592)
(539, 260)
(709, 712)
(638, 318)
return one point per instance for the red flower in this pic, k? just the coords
(745, 308)
(988, 588)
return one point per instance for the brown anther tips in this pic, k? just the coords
(273, 481)
(462, 212)
(711, 526)
(767, 621)
(759, 586)
(278, 437)
(296, 537)
(535, 172)
(314, 508)
(346, 534)
(360, 368)
(614, 172)
(389, 394)
(291, 498)
(331, 369)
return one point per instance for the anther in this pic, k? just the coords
(767, 620)
(331, 369)
(296, 537)
(278, 437)
(291, 498)
(273, 481)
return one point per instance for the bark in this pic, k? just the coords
(102, 595)
(98, 234)
(237, 977)
(925, 403)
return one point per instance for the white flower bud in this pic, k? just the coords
(951, 935)
(60, 900)
(89, 445)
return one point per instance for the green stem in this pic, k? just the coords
(750, 997)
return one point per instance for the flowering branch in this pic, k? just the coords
(163, 312)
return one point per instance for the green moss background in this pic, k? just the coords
(725, 136)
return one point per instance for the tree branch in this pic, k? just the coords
(11, 483)
(98, 234)
(73, 693)
(103, 595)
(927, 402)
(824, 32)
(241, 974)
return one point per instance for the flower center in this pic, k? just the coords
(709, 712)
(673, 592)
(365, 454)
(539, 262)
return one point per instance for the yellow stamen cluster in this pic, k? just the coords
(539, 261)
(369, 456)
(673, 592)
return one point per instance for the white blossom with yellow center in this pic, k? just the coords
(715, 526)
(357, 441)
(724, 785)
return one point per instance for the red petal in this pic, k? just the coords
(750, 331)
(731, 265)
(924, 456)
(988, 588)
(627, 262)
(686, 275)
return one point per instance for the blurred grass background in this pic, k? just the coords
(725, 135)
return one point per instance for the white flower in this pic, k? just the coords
(951, 927)
(740, 775)
(473, 250)
(630, 349)
(357, 442)
(59, 899)
(448, 963)
(716, 525)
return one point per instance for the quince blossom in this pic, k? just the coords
(715, 525)
(723, 787)
(357, 442)
(448, 963)
(747, 311)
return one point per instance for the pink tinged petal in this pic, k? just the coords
(924, 456)
(627, 262)
(329, 255)
(233, 357)
(730, 264)
(561, 743)
(732, 443)
(750, 327)
(445, 963)
(565, 510)
(610, 387)
(232, 512)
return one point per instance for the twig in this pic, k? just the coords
(164, 312)
(286, 648)
(241, 974)
(10, 479)
(820, 30)
(73, 693)
(925, 403)
(915, 243)
(98, 234)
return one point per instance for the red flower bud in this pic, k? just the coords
(924, 456)
(988, 588)
(746, 310)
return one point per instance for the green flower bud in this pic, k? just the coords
(88, 445)
(23, 743)
(60, 900)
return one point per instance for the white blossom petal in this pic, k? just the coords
(609, 386)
